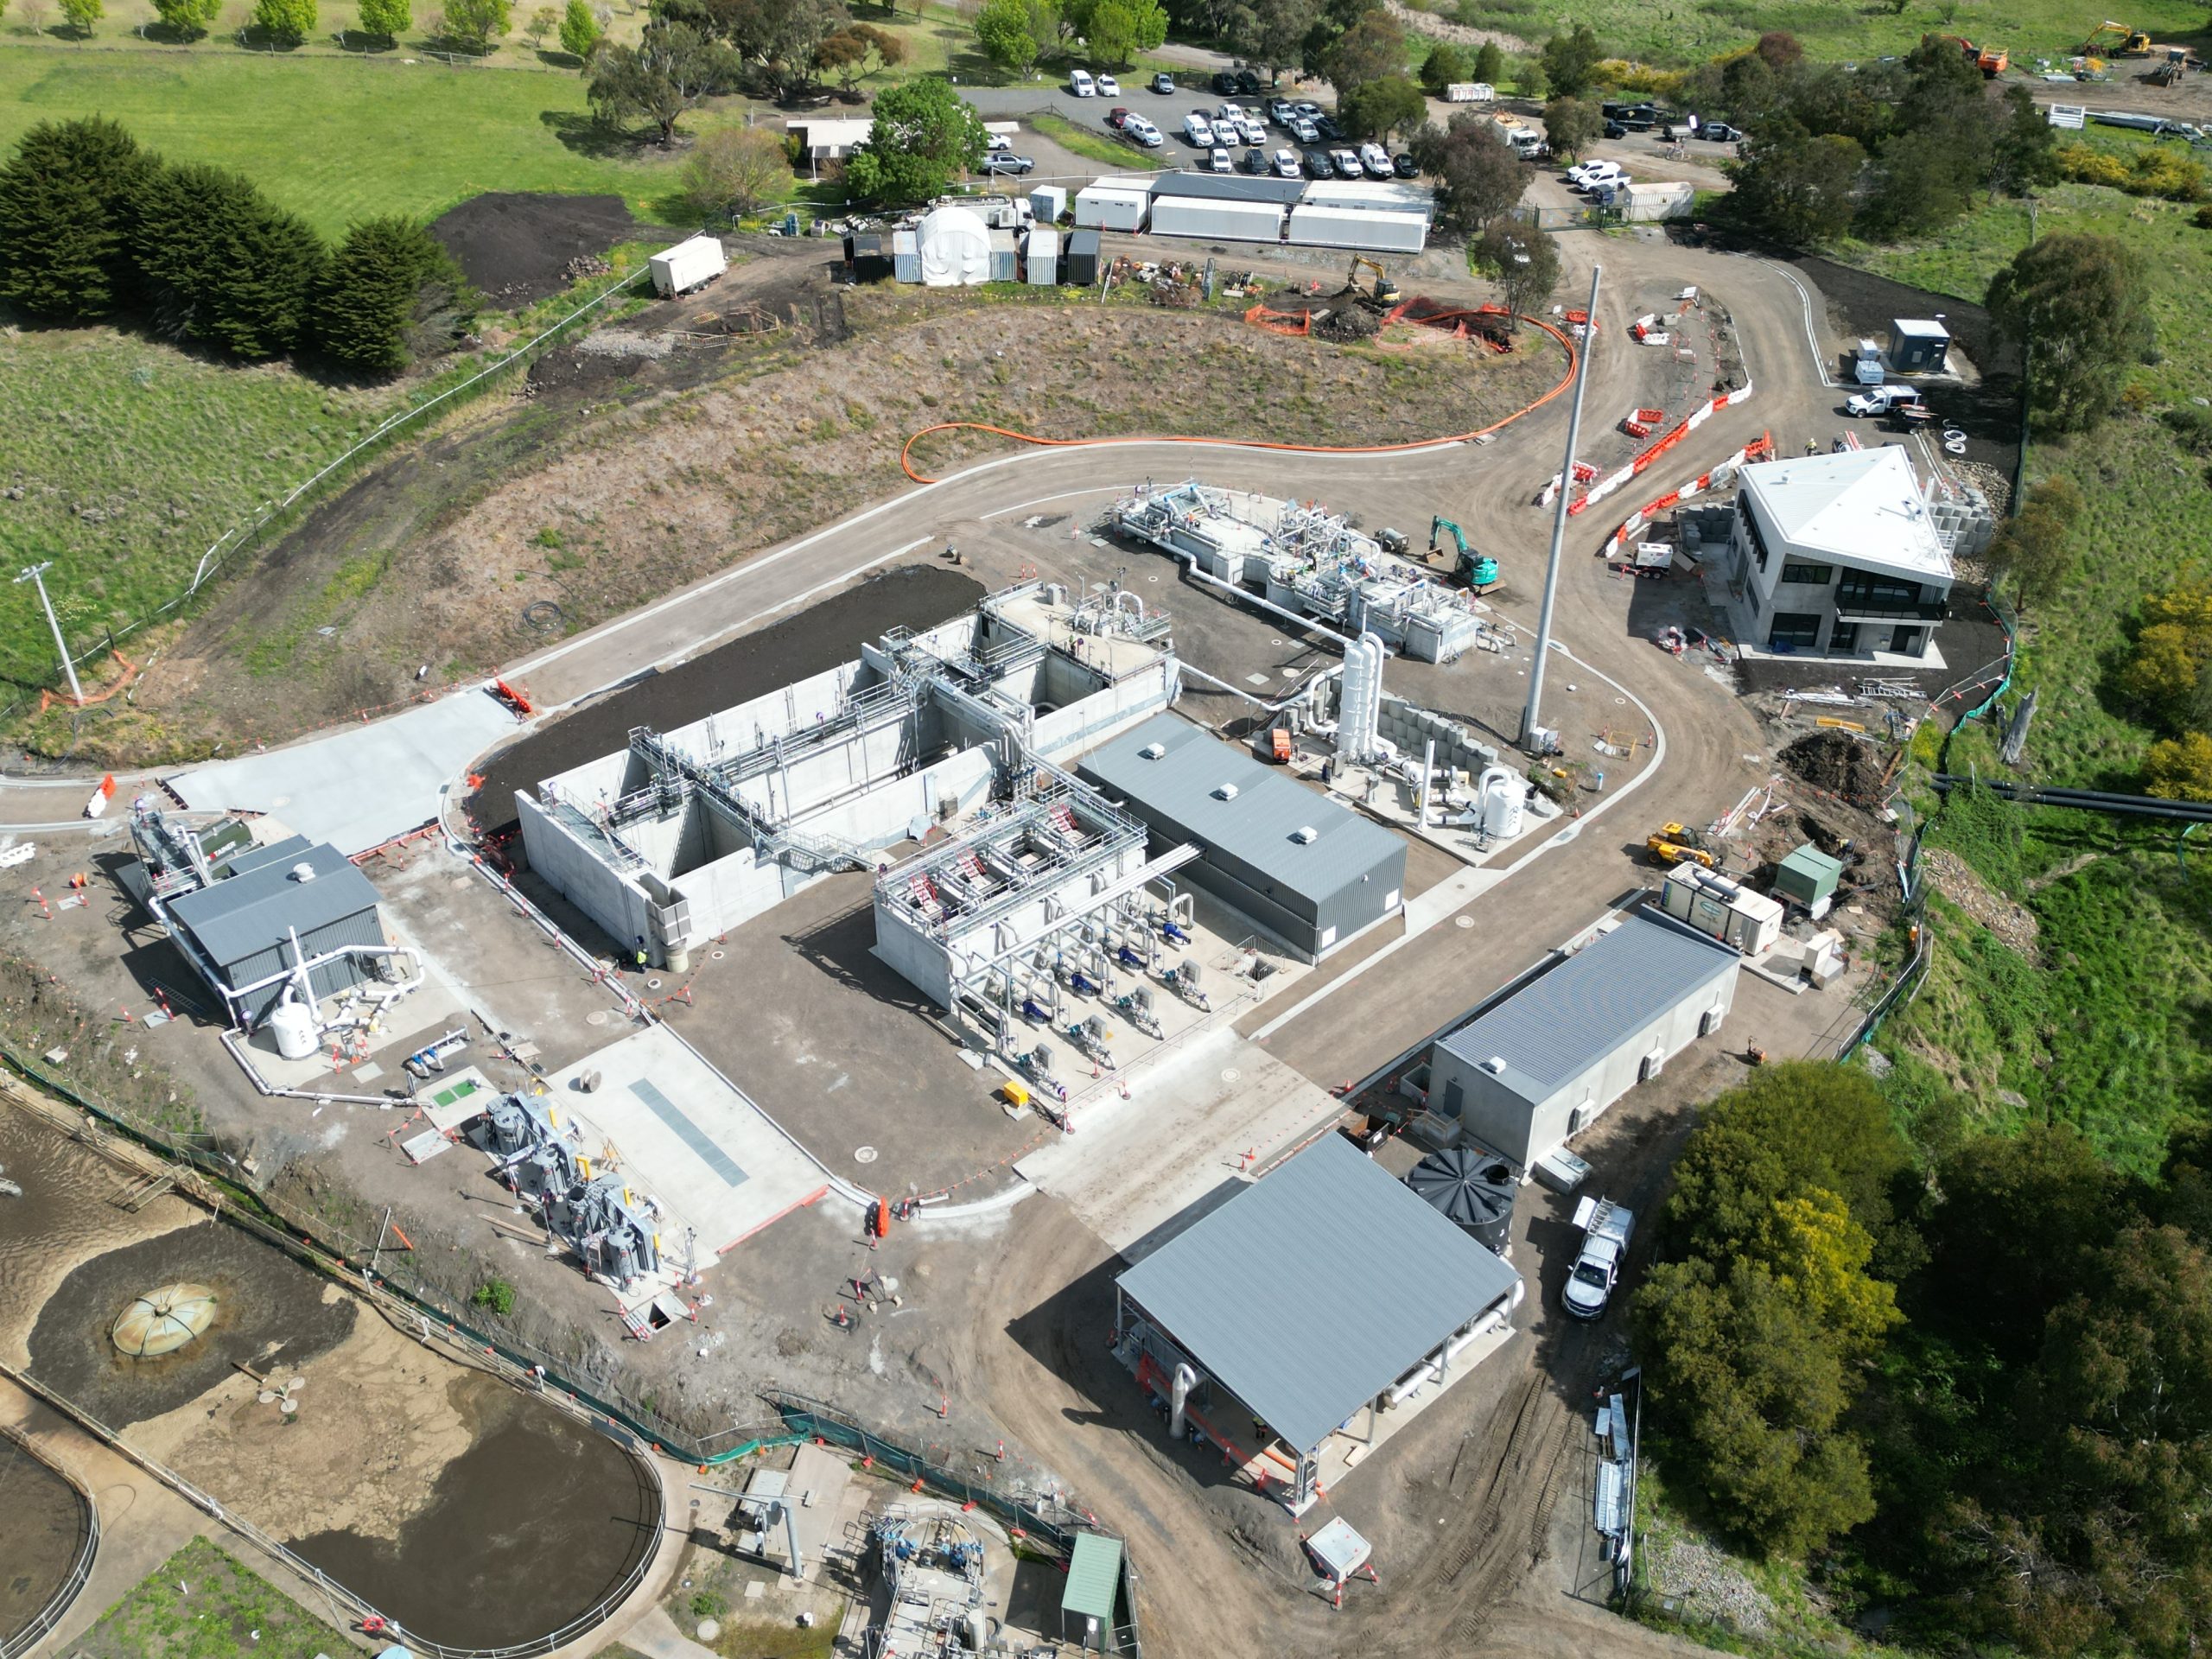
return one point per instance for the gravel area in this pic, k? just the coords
(1709, 1586)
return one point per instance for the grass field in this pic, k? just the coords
(200, 1603)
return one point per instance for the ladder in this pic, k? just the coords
(639, 1328)
(142, 1192)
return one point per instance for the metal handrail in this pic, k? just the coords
(80, 1570)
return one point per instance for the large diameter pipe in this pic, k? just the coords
(1530, 717)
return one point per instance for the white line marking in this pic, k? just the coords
(1811, 340)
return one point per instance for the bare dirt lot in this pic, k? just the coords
(517, 248)
(666, 448)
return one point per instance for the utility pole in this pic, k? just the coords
(1529, 722)
(37, 575)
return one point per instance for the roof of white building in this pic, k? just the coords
(1863, 506)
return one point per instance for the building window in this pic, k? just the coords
(1905, 641)
(1867, 595)
(1751, 530)
(1813, 575)
(1794, 631)
(1844, 637)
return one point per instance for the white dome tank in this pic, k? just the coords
(1503, 798)
(293, 1027)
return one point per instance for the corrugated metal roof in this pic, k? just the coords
(1552, 1028)
(1094, 1574)
(1229, 187)
(1310, 1293)
(1256, 826)
(1863, 506)
(254, 907)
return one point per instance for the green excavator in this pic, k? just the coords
(1475, 571)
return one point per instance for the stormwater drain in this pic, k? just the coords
(1230, 1074)
(596, 1017)
(1463, 921)
(864, 1155)
(714, 956)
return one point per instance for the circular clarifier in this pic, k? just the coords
(161, 1321)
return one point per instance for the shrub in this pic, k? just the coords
(391, 291)
(497, 1294)
(65, 211)
(2164, 173)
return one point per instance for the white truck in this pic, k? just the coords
(1881, 400)
(1606, 1229)
(690, 264)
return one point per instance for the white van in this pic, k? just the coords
(1081, 84)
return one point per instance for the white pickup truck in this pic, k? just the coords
(1880, 400)
(1605, 1228)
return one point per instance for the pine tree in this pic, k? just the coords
(65, 217)
(383, 279)
(224, 266)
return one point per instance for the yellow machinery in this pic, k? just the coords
(1677, 843)
(1385, 290)
(2126, 44)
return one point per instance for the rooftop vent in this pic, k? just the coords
(1225, 792)
(1152, 751)
(1495, 1065)
(302, 872)
(1305, 835)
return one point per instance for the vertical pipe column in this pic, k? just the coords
(1529, 715)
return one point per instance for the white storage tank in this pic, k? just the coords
(1503, 799)
(292, 1024)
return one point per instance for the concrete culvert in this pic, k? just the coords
(161, 1321)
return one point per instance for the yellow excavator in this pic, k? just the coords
(2124, 42)
(1385, 292)
(1677, 843)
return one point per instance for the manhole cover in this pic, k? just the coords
(652, 984)
(596, 1017)
(1291, 673)
(1230, 1074)
(1623, 700)
(714, 956)
(865, 1155)
(1463, 921)
(461, 883)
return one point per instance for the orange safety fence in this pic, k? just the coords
(1566, 379)
(1297, 324)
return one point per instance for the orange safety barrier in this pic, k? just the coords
(907, 464)
(1650, 416)
(1635, 429)
(1296, 324)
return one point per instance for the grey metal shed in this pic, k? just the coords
(1539, 1065)
(1229, 187)
(1311, 871)
(1305, 1298)
(242, 925)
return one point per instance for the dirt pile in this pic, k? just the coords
(1842, 764)
(517, 247)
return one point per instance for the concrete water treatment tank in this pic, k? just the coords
(161, 1321)
(1473, 1189)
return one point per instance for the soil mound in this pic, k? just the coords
(1840, 764)
(517, 247)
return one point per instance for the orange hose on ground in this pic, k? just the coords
(906, 463)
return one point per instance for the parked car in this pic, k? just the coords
(1142, 133)
(1882, 400)
(1614, 130)
(995, 142)
(1598, 176)
(1376, 160)
(1108, 87)
(1118, 117)
(1280, 111)
(1248, 82)
(1081, 84)
(1005, 161)
(1719, 132)
(1404, 165)
(1307, 107)
(1606, 1229)
(1318, 165)
(1218, 161)
(1286, 164)
(1197, 129)
(1225, 83)
(1164, 84)
(1346, 163)
(1253, 130)
(1231, 113)
(1328, 126)
(1304, 130)
(1253, 161)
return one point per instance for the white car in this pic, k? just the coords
(1197, 130)
(1304, 131)
(1287, 165)
(1219, 161)
(1108, 87)
(1254, 130)
(1346, 163)
(1231, 113)
(1081, 84)
(1376, 160)
(1138, 130)
(1597, 175)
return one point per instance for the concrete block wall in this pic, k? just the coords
(1410, 727)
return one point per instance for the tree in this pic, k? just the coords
(1476, 176)
(224, 267)
(2179, 768)
(1002, 31)
(849, 53)
(68, 211)
(2033, 547)
(924, 135)
(477, 23)
(671, 69)
(778, 39)
(1571, 61)
(1371, 48)
(1376, 109)
(543, 23)
(1118, 29)
(1778, 49)
(2173, 649)
(1445, 64)
(81, 14)
(187, 20)
(1819, 1254)
(1490, 63)
(1797, 188)
(285, 21)
(387, 278)
(734, 170)
(579, 30)
(2024, 152)
(1522, 261)
(2077, 304)
(1272, 33)
(1572, 125)
(386, 19)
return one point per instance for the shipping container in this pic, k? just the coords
(1356, 227)
(1043, 257)
(1376, 197)
(1048, 202)
(1083, 262)
(1112, 207)
(690, 264)
(1233, 221)
(1005, 268)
